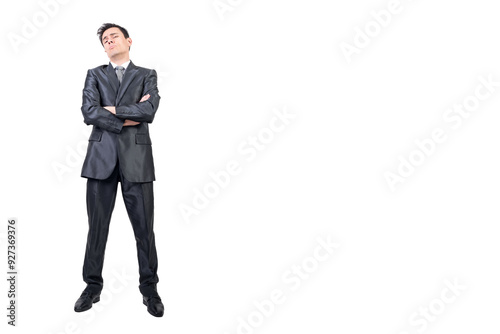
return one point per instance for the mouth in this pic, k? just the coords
(112, 47)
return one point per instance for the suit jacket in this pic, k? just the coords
(111, 142)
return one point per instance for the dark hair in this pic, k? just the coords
(106, 26)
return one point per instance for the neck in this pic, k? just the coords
(120, 59)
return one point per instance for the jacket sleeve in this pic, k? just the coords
(93, 112)
(142, 111)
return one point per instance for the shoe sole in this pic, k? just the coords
(95, 300)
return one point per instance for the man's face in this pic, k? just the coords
(115, 43)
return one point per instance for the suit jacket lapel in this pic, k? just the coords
(113, 79)
(128, 77)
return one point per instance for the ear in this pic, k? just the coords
(129, 40)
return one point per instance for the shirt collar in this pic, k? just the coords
(125, 64)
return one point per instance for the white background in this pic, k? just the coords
(322, 176)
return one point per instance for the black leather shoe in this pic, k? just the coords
(154, 304)
(86, 300)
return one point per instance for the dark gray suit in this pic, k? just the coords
(109, 140)
(118, 153)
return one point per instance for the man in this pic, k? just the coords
(119, 100)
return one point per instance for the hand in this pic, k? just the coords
(111, 109)
(145, 97)
(128, 122)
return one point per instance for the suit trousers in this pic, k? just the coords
(139, 202)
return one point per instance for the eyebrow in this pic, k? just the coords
(114, 33)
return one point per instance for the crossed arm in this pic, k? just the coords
(127, 122)
(112, 118)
